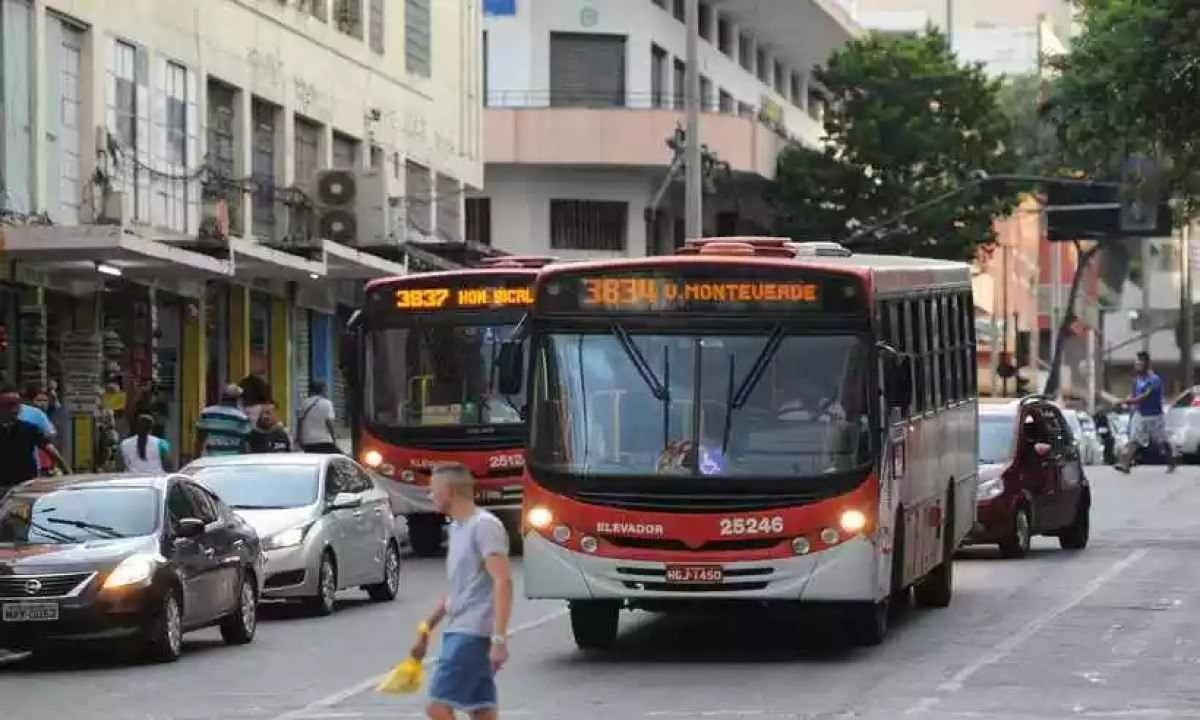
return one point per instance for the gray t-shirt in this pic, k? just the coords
(470, 607)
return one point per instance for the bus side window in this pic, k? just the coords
(904, 345)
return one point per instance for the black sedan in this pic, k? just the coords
(137, 559)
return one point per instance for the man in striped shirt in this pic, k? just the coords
(223, 428)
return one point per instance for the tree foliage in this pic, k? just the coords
(1131, 84)
(907, 123)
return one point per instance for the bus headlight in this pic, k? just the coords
(540, 518)
(372, 458)
(853, 521)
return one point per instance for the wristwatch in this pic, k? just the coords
(499, 640)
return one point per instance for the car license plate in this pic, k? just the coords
(694, 574)
(30, 612)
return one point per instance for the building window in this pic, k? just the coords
(746, 52)
(345, 152)
(376, 26)
(587, 70)
(680, 10)
(64, 49)
(780, 79)
(704, 21)
(706, 101)
(761, 68)
(418, 37)
(347, 15)
(680, 84)
(724, 35)
(726, 103)
(797, 96)
(449, 198)
(479, 220)
(172, 194)
(222, 143)
(316, 8)
(130, 133)
(16, 120)
(307, 144)
(263, 170)
(658, 71)
(588, 225)
(418, 192)
(745, 109)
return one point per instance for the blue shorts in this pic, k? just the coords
(463, 679)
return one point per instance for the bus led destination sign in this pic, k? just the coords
(641, 292)
(462, 298)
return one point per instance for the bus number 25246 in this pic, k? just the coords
(751, 525)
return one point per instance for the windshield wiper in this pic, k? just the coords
(758, 369)
(104, 530)
(660, 389)
(56, 534)
(262, 507)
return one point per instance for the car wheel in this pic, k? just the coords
(325, 601)
(425, 534)
(238, 628)
(164, 636)
(387, 589)
(1020, 536)
(1075, 536)
(594, 624)
(868, 624)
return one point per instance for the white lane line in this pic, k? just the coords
(320, 705)
(1001, 649)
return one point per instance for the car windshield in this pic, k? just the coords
(434, 374)
(261, 487)
(753, 405)
(997, 438)
(78, 515)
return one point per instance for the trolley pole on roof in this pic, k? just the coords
(694, 189)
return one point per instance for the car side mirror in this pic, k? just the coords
(345, 501)
(188, 528)
(1041, 449)
(512, 367)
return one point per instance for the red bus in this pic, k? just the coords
(426, 347)
(750, 420)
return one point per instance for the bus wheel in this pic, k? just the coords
(425, 534)
(594, 624)
(936, 588)
(869, 623)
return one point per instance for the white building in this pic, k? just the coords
(582, 98)
(158, 175)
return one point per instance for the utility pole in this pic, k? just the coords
(1185, 242)
(1055, 301)
(1147, 259)
(694, 188)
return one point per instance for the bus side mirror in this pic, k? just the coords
(512, 367)
(897, 382)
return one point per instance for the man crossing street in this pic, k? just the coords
(1148, 425)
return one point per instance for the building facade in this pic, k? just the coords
(168, 222)
(582, 98)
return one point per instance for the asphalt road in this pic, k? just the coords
(1110, 632)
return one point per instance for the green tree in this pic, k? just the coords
(1033, 141)
(1131, 84)
(908, 123)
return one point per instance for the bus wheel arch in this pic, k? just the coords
(937, 588)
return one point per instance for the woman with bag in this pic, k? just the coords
(314, 425)
(143, 452)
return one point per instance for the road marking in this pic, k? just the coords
(1001, 649)
(320, 707)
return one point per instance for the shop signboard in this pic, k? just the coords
(81, 371)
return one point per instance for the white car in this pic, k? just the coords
(1091, 450)
(325, 523)
(1092, 437)
(1183, 423)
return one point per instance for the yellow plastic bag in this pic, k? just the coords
(404, 679)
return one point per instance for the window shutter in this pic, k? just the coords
(587, 70)
(142, 77)
(16, 162)
(376, 26)
(192, 153)
(52, 202)
(159, 186)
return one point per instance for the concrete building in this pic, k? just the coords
(582, 98)
(165, 229)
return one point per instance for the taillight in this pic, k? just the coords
(1196, 401)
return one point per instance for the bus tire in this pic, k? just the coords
(594, 623)
(869, 623)
(425, 534)
(516, 541)
(937, 588)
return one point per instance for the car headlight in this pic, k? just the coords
(133, 570)
(990, 488)
(285, 538)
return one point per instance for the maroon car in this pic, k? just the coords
(1031, 480)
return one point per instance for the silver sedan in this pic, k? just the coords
(325, 524)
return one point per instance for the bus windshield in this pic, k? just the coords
(437, 374)
(768, 404)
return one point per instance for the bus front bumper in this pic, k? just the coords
(844, 573)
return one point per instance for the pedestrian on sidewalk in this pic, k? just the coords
(18, 440)
(36, 409)
(269, 434)
(476, 607)
(144, 452)
(315, 432)
(223, 429)
(1147, 425)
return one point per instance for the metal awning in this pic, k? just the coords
(343, 262)
(254, 261)
(79, 250)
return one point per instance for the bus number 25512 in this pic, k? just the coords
(751, 525)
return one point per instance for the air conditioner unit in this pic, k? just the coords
(358, 208)
(334, 197)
